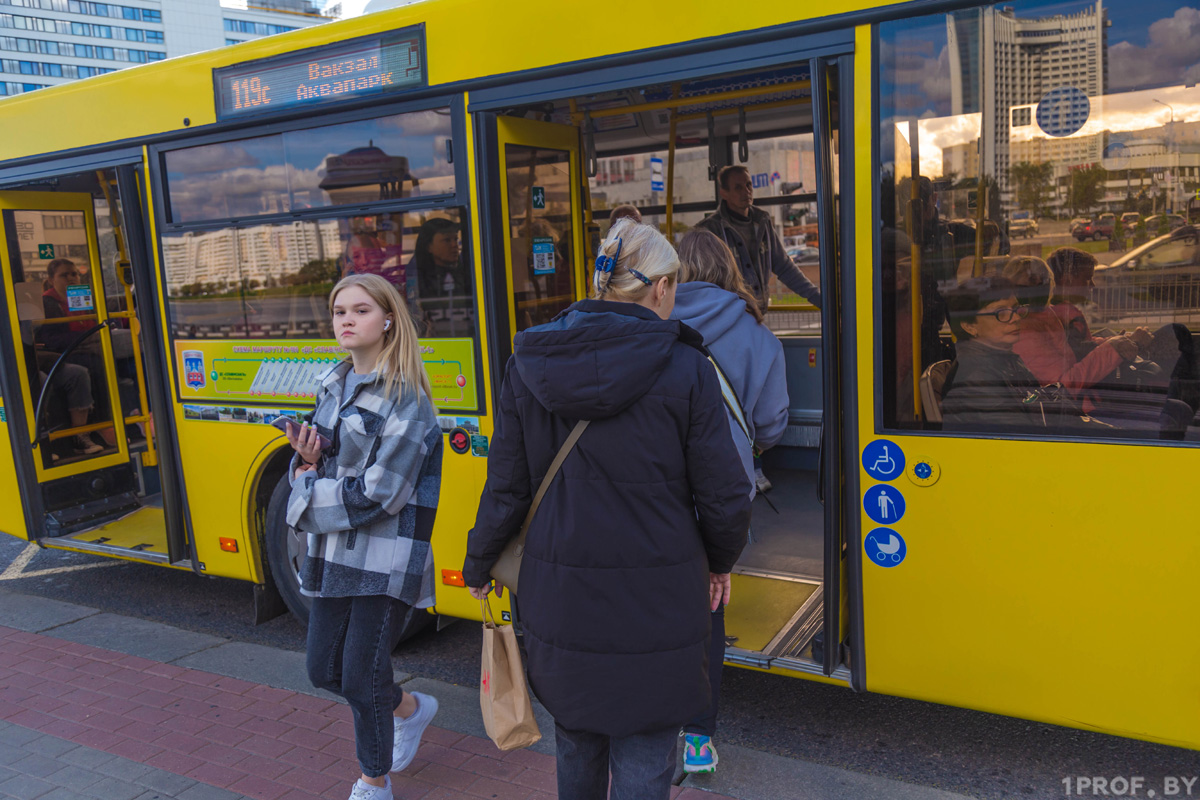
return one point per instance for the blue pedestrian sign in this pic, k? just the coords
(656, 175)
(885, 548)
(884, 504)
(883, 460)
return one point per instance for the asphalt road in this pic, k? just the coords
(973, 753)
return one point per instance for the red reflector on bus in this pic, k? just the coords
(452, 577)
(229, 545)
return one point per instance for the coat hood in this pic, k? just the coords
(708, 308)
(597, 357)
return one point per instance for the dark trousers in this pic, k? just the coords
(707, 724)
(642, 766)
(350, 644)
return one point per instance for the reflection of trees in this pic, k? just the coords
(1086, 190)
(319, 270)
(1033, 182)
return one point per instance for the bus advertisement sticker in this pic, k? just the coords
(479, 445)
(469, 424)
(79, 297)
(885, 548)
(883, 460)
(884, 504)
(543, 255)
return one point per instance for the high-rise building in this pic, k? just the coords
(1002, 66)
(49, 42)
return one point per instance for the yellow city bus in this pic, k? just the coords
(170, 233)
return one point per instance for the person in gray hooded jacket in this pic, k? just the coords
(713, 299)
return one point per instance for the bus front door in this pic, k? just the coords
(540, 203)
(62, 350)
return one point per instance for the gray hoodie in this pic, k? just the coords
(750, 356)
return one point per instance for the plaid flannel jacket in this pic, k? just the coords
(369, 508)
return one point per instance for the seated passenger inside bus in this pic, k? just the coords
(988, 387)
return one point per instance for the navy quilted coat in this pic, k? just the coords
(614, 582)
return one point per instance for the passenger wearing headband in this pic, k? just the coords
(635, 538)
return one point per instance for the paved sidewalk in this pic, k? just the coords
(84, 722)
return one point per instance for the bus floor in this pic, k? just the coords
(776, 604)
(140, 535)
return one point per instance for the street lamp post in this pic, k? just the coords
(1170, 139)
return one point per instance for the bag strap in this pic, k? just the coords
(563, 451)
(731, 400)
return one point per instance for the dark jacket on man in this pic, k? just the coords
(769, 254)
(614, 581)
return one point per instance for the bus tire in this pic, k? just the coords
(285, 554)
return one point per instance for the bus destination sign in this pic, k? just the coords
(365, 66)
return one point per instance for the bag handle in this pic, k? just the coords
(563, 451)
(485, 611)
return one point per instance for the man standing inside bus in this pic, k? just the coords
(752, 237)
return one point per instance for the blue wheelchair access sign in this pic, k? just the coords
(884, 504)
(883, 460)
(885, 548)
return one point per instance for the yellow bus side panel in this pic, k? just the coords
(465, 39)
(12, 519)
(1052, 581)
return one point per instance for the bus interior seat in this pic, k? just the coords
(933, 379)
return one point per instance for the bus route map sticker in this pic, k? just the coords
(884, 504)
(1063, 110)
(883, 460)
(885, 548)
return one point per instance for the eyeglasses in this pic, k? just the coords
(1006, 314)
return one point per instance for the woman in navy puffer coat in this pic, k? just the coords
(637, 532)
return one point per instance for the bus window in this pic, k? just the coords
(539, 206)
(386, 158)
(1032, 279)
(272, 280)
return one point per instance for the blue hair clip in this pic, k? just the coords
(608, 263)
(640, 276)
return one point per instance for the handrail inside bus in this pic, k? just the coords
(37, 414)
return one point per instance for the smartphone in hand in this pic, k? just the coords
(283, 423)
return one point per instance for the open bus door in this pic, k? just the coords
(74, 384)
(542, 223)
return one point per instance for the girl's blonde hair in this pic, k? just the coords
(1033, 278)
(636, 250)
(704, 257)
(399, 362)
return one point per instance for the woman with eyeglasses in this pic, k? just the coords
(636, 535)
(989, 388)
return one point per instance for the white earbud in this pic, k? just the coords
(387, 323)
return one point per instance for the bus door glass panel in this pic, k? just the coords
(540, 162)
(56, 294)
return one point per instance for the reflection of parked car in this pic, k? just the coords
(1022, 223)
(1174, 222)
(1164, 272)
(1130, 220)
(804, 255)
(1100, 228)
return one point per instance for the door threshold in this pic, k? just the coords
(746, 658)
(139, 536)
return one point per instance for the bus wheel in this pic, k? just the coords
(285, 552)
(285, 555)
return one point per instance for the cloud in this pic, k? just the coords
(1171, 54)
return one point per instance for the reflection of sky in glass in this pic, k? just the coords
(280, 173)
(1152, 56)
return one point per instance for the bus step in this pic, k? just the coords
(91, 514)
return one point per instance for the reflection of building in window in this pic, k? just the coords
(999, 61)
(365, 174)
(263, 255)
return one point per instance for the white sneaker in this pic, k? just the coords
(365, 791)
(408, 731)
(761, 481)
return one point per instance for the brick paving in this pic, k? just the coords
(78, 722)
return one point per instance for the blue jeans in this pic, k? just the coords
(350, 644)
(707, 724)
(642, 766)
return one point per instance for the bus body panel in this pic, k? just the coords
(12, 518)
(461, 40)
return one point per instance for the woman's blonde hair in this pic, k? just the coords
(1033, 278)
(399, 362)
(637, 252)
(704, 257)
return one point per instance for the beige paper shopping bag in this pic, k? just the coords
(503, 695)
